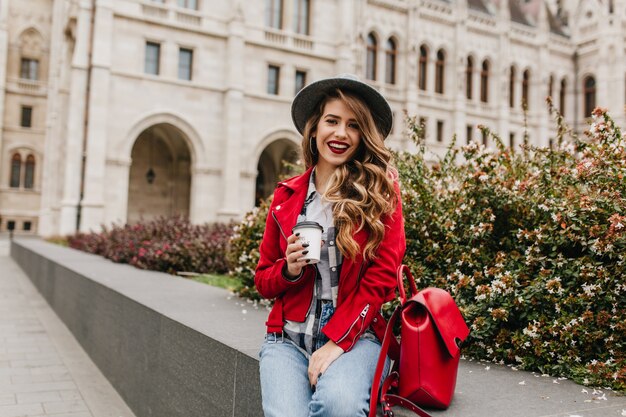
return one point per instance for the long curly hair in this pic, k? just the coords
(361, 190)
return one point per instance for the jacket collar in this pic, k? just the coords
(298, 182)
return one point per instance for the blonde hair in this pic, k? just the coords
(361, 190)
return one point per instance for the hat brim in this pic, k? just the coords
(307, 100)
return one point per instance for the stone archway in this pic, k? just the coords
(273, 166)
(160, 174)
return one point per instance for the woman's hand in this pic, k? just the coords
(321, 360)
(294, 253)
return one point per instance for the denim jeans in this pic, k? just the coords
(343, 390)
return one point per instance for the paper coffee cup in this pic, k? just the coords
(311, 233)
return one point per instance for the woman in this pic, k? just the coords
(325, 328)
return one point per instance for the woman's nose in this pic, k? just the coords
(341, 131)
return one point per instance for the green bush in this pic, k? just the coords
(532, 245)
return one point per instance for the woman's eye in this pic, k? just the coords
(331, 121)
(354, 126)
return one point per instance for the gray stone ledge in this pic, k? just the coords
(173, 347)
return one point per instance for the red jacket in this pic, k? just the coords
(363, 286)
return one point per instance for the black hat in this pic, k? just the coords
(307, 100)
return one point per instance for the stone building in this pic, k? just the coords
(115, 110)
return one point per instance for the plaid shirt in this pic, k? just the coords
(308, 335)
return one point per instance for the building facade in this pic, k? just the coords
(116, 110)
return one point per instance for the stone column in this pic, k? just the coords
(96, 145)
(501, 74)
(50, 178)
(539, 86)
(459, 62)
(345, 56)
(411, 75)
(204, 206)
(233, 119)
(4, 47)
(116, 197)
(76, 121)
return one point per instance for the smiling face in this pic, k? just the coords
(337, 135)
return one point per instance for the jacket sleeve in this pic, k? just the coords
(377, 285)
(268, 277)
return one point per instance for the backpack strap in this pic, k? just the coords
(382, 357)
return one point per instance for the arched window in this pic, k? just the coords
(439, 71)
(423, 67)
(484, 82)
(29, 174)
(32, 53)
(16, 171)
(372, 51)
(391, 53)
(469, 70)
(589, 88)
(525, 88)
(562, 95)
(512, 87)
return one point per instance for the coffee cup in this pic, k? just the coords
(311, 233)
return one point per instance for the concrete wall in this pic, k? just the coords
(171, 347)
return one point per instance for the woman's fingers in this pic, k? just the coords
(294, 253)
(321, 359)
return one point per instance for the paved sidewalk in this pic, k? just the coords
(43, 370)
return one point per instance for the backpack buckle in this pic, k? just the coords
(387, 411)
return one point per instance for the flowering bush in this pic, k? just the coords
(243, 254)
(533, 247)
(168, 244)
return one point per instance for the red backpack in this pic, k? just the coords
(424, 371)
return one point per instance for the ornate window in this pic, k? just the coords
(484, 82)
(301, 16)
(391, 53)
(589, 90)
(188, 4)
(274, 14)
(300, 80)
(440, 71)
(526, 88)
(273, 79)
(31, 45)
(423, 67)
(469, 71)
(185, 63)
(27, 116)
(29, 173)
(29, 69)
(372, 52)
(512, 87)
(562, 96)
(16, 171)
(152, 58)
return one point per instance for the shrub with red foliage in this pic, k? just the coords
(167, 244)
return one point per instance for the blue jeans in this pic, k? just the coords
(343, 390)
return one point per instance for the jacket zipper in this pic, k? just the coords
(279, 226)
(361, 318)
